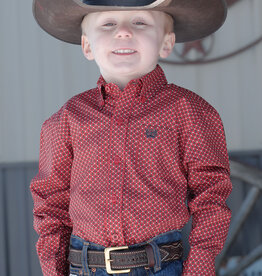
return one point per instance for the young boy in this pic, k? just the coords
(123, 166)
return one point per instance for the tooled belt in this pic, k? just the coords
(122, 259)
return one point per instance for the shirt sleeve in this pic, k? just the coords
(50, 192)
(209, 185)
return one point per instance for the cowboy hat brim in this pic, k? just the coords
(193, 19)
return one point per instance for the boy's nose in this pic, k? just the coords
(123, 31)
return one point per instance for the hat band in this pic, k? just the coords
(120, 3)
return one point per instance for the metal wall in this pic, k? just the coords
(250, 235)
(17, 236)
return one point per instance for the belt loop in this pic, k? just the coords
(84, 259)
(157, 256)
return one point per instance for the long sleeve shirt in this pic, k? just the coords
(120, 167)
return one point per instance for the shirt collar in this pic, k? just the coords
(146, 86)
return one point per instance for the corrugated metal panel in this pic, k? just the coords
(17, 236)
(250, 235)
(39, 73)
(3, 229)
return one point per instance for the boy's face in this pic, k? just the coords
(127, 44)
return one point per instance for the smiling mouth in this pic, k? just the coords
(124, 51)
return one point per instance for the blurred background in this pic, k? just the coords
(38, 74)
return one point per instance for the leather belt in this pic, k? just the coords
(122, 259)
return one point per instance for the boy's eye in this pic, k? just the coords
(110, 24)
(140, 23)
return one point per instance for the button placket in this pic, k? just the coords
(117, 174)
(117, 157)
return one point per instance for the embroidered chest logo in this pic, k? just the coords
(151, 132)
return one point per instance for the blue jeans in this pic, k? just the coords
(173, 268)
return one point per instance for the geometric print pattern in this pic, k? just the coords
(120, 167)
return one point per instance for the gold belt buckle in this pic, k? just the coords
(109, 270)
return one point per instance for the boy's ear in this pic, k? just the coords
(86, 48)
(168, 45)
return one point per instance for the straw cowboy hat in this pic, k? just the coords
(193, 19)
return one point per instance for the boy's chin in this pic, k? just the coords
(132, 69)
(126, 66)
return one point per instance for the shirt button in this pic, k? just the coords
(117, 160)
(115, 236)
(143, 99)
(107, 89)
(114, 200)
(120, 121)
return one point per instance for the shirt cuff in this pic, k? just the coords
(199, 262)
(52, 267)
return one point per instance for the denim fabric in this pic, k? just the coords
(173, 268)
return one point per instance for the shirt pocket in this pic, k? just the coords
(152, 146)
(151, 139)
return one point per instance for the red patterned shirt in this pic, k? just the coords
(120, 167)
